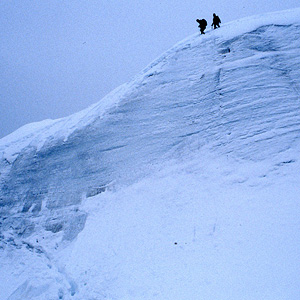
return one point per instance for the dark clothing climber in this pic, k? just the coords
(202, 25)
(216, 21)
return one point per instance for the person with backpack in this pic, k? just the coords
(216, 21)
(202, 25)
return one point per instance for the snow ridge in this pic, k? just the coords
(161, 189)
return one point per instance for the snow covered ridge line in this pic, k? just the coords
(248, 24)
(39, 133)
(233, 29)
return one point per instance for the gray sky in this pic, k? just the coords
(57, 57)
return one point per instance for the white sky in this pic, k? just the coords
(58, 57)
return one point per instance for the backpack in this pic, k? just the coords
(203, 22)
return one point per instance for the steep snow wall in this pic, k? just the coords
(234, 92)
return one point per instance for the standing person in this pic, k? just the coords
(202, 25)
(216, 21)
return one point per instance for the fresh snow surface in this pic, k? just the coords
(183, 184)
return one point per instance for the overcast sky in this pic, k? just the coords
(58, 57)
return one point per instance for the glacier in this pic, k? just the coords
(181, 184)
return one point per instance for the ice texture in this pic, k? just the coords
(226, 106)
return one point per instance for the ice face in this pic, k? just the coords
(237, 96)
(233, 96)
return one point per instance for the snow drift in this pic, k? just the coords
(181, 184)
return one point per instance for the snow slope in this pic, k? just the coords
(182, 184)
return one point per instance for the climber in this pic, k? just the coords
(202, 25)
(216, 21)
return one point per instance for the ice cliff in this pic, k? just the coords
(217, 120)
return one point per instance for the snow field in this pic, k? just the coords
(187, 234)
